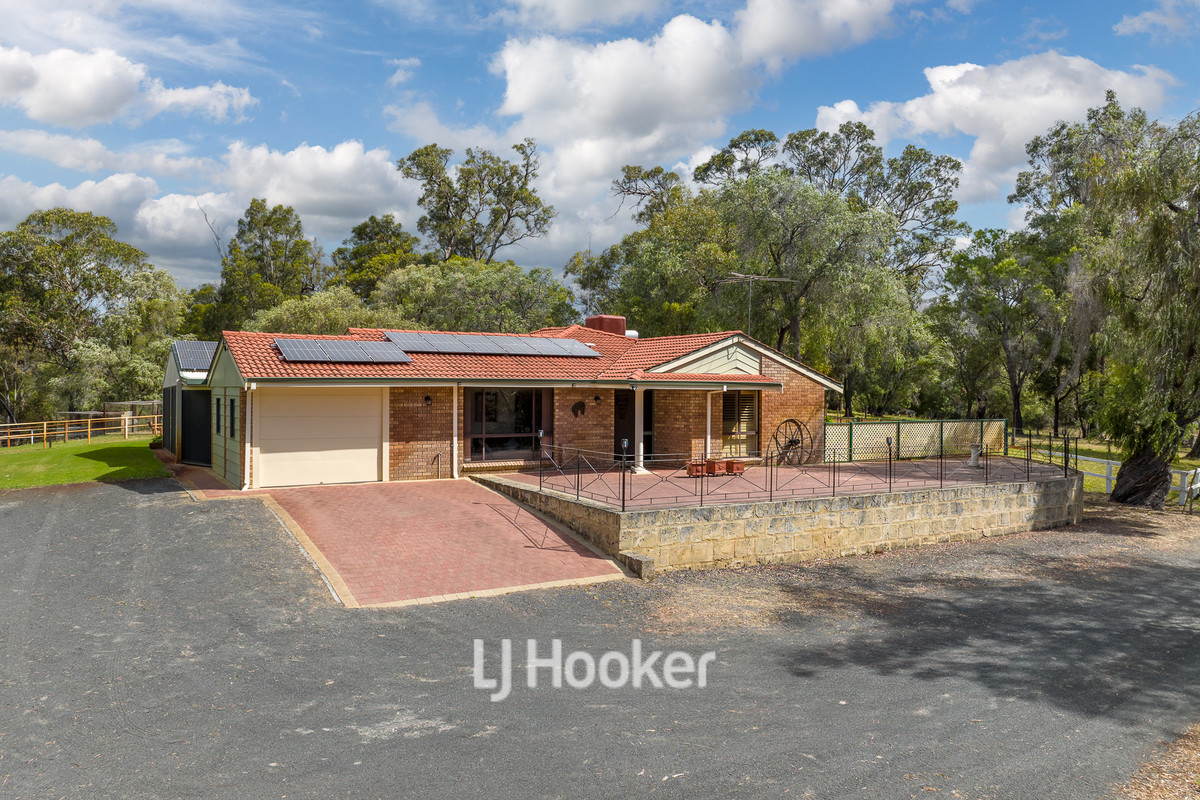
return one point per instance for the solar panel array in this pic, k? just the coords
(341, 351)
(194, 356)
(479, 344)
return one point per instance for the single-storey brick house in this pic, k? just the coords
(376, 405)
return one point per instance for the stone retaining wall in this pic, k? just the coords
(743, 534)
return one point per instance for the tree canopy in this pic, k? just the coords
(481, 205)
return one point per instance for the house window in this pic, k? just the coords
(232, 418)
(504, 422)
(217, 408)
(739, 424)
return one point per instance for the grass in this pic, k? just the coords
(106, 459)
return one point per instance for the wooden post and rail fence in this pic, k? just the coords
(63, 430)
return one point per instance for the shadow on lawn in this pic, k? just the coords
(128, 464)
(1115, 635)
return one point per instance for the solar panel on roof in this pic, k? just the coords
(194, 356)
(412, 342)
(483, 345)
(345, 352)
(384, 353)
(479, 344)
(301, 350)
(577, 348)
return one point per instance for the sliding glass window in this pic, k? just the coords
(504, 422)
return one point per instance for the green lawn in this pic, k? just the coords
(106, 459)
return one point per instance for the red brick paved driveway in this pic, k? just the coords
(393, 542)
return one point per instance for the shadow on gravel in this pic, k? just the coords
(1117, 636)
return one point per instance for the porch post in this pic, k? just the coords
(454, 431)
(639, 426)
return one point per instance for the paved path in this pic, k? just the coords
(152, 646)
(398, 542)
(420, 541)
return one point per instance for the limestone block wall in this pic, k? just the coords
(744, 534)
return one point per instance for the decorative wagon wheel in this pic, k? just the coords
(791, 443)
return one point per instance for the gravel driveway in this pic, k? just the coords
(153, 646)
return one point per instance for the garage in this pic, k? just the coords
(305, 436)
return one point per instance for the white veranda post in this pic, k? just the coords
(639, 417)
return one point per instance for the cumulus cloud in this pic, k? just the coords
(66, 87)
(332, 189)
(1002, 107)
(577, 95)
(117, 197)
(772, 31)
(166, 157)
(568, 15)
(72, 88)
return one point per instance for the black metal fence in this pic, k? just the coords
(673, 480)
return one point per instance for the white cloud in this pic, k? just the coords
(772, 31)
(418, 121)
(332, 189)
(72, 88)
(117, 197)
(569, 15)
(166, 157)
(217, 102)
(1168, 19)
(405, 68)
(1002, 107)
(66, 87)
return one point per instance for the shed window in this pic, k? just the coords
(232, 418)
(217, 408)
(739, 424)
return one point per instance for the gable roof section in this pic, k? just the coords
(622, 360)
(739, 338)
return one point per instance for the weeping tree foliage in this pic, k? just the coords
(1150, 198)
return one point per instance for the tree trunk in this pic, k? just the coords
(1143, 480)
(848, 395)
(1015, 390)
(1057, 401)
(1195, 451)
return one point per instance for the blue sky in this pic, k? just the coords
(158, 113)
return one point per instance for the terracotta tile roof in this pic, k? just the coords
(622, 358)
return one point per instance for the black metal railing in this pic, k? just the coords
(685, 479)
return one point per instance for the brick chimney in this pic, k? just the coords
(608, 323)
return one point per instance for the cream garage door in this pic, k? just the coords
(308, 436)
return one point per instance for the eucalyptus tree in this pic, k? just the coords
(60, 272)
(374, 247)
(480, 205)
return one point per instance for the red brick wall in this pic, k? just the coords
(418, 433)
(592, 427)
(680, 422)
(802, 399)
